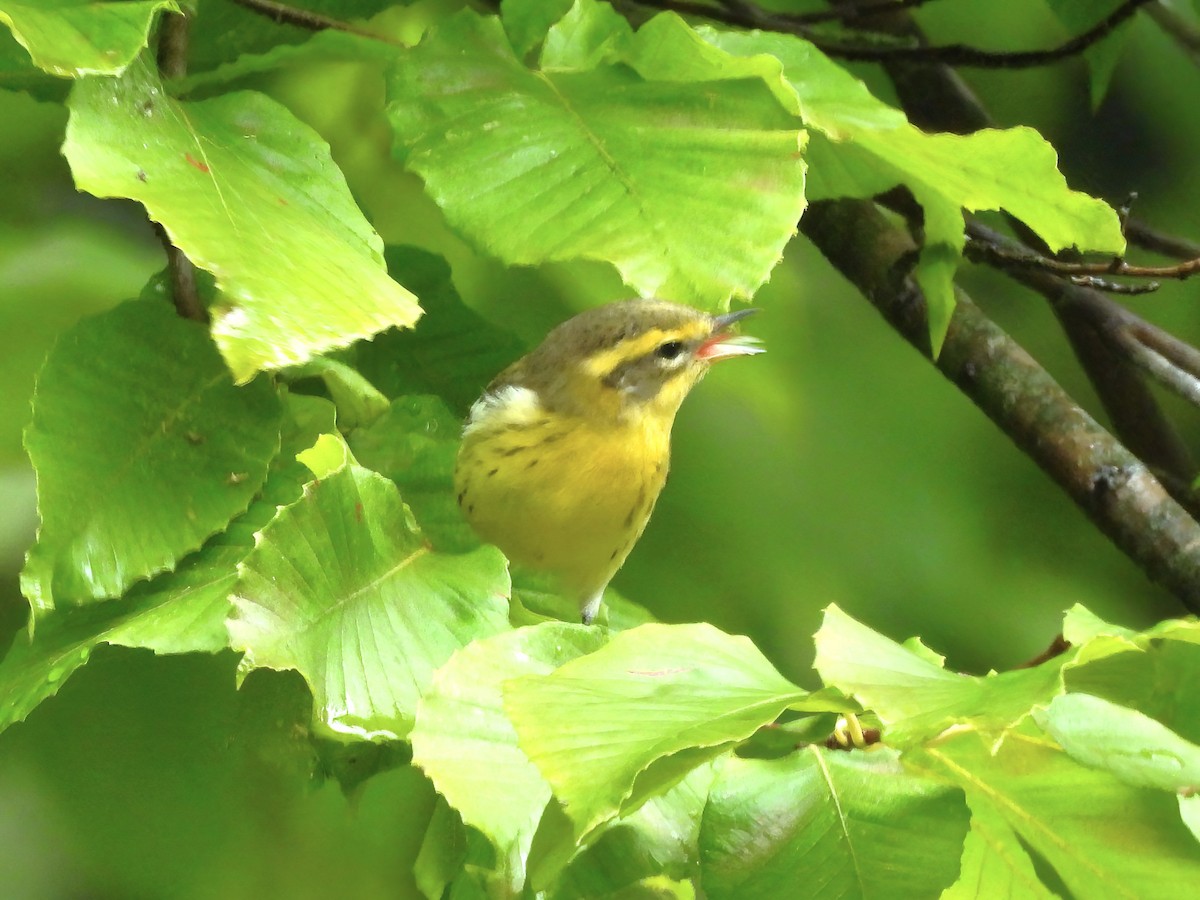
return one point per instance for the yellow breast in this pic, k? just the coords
(563, 495)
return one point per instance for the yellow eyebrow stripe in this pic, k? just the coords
(604, 362)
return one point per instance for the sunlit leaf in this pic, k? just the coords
(597, 723)
(1103, 838)
(183, 611)
(870, 147)
(1125, 742)
(251, 194)
(690, 189)
(73, 38)
(143, 448)
(822, 823)
(913, 696)
(466, 745)
(994, 863)
(342, 587)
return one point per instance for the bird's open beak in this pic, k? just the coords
(724, 344)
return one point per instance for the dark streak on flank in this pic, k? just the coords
(512, 451)
(493, 472)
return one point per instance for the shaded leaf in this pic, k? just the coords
(994, 863)
(823, 823)
(660, 840)
(454, 353)
(597, 723)
(223, 174)
(415, 444)
(691, 190)
(143, 448)
(342, 587)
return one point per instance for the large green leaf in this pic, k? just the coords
(343, 588)
(143, 447)
(182, 611)
(1103, 838)
(655, 702)
(251, 194)
(913, 695)
(74, 38)
(822, 823)
(690, 189)
(465, 744)
(867, 147)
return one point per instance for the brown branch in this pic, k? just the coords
(749, 15)
(172, 63)
(1112, 486)
(935, 98)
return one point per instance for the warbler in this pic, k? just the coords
(564, 455)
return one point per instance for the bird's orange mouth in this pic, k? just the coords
(725, 345)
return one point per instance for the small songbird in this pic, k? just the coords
(564, 455)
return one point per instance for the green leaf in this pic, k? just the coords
(1134, 747)
(465, 744)
(1102, 56)
(443, 851)
(823, 823)
(691, 190)
(527, 21)
(597, 723)
(415, 444)
(74, 38)
(358, 402)
(870, 147)
(659, 840)
(222, 175)
(143, 448)
(454, 354)
(590, 34)
(1103, 838)
(182, 611)
(913, 696)
(994, 860)
(342, 587)
(1189, 811)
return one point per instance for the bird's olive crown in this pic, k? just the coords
(633, 346)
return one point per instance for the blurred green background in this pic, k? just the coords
(839, 468)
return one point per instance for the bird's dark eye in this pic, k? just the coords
(669, 350)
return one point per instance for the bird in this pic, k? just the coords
(564, 455)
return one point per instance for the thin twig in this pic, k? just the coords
(749, 15)
(172, 63)
(303, 18)
(982, 250)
